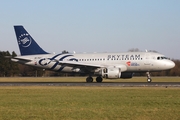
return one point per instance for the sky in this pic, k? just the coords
(94, 25)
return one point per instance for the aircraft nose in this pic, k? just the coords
(170, 64)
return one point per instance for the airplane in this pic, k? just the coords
(101, 65)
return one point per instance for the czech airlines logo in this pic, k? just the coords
(129, 63)
(24, 40)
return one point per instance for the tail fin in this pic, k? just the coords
(27, 44)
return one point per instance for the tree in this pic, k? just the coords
(153, 51)
(64, 52)
(134, 50)
(5, 66)
(14, 66)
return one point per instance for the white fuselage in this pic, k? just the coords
(128, 61)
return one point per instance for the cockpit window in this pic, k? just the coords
(161, 58)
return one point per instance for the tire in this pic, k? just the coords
(149, 80)
(89, 79)
(99, 79)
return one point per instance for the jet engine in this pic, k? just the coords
(111, 72)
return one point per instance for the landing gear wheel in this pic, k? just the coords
(89, 79)
(149, 80)
(99, 79)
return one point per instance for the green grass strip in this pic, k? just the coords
(89, 103)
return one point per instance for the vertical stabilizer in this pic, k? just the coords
(27, 45)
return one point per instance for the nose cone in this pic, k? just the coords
(170, 64)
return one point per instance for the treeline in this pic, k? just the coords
(12, 69)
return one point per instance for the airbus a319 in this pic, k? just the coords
(101, 65)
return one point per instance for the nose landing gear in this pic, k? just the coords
(149, 80)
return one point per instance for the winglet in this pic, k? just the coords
(27, 45)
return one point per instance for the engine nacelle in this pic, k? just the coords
(111, 72)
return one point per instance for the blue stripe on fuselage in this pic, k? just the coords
(61, 59)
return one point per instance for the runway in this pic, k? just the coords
(103, 84)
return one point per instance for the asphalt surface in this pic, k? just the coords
(103, 84)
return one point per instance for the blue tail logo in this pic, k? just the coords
(24, 40)
(27, 45)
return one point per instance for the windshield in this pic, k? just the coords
(162, 58)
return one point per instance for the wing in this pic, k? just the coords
(78, 64)
(88, 66)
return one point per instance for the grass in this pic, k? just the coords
(83, 79)
(87, 103)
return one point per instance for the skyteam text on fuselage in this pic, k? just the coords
(102, 65)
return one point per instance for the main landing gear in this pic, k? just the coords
(148, 77)
(90, 79)
(99, 79)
